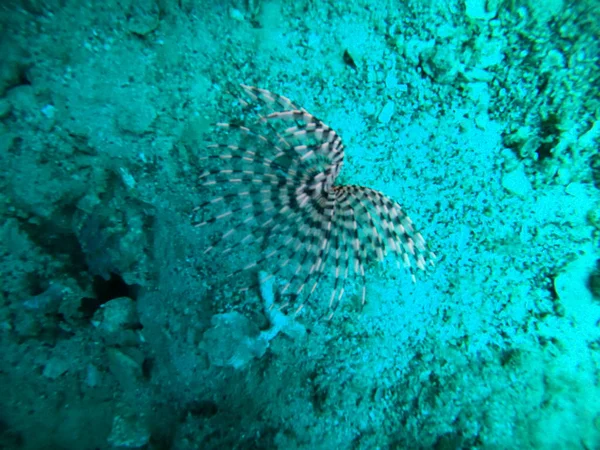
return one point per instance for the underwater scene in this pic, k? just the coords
(321, 225)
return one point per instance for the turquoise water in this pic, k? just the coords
(162, 292)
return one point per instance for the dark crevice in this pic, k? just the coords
(106, 290)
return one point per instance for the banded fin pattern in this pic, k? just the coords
(273, 183)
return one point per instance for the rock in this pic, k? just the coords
(144, 17)
(233, 340)
(478, 10)
(126, 367)
(5, 108)
(387, 112)
(55, 368)
(136, 119)
(92, 376)
(516, 182)
(116, 321)
(129, 431)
